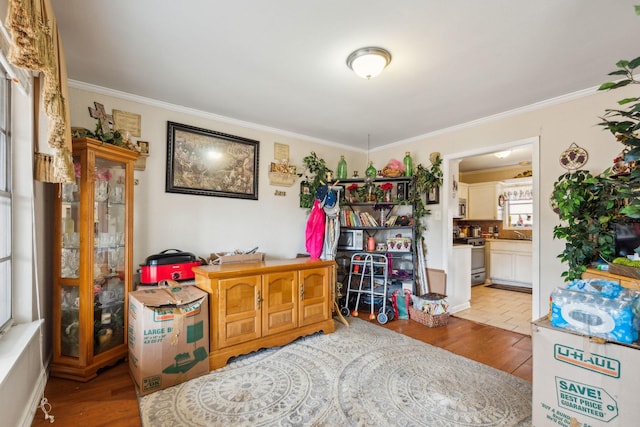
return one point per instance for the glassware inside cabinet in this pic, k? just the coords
(70, 253)
(70, 190)
(109, 255)
(109, 312)
(70, 304)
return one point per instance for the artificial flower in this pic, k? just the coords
(103, 174)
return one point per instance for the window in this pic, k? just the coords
(518, 206)
(5, 202)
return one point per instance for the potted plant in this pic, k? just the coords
(624, 124)
(314, 176)
(585, 203)
(422, 180)
(386, 191)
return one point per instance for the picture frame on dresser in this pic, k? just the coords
(208, 163)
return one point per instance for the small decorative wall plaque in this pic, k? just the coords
(573, 157)
(124, 121)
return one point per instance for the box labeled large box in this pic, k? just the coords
(168, 336)
(579, 381)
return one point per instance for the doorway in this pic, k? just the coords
(480, 308)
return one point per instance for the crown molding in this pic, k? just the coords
(255, 126)
(500, 116)
(199, 113)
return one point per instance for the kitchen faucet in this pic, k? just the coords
(520, 235)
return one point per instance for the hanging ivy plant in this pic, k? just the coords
(422, 181)
(313, 177)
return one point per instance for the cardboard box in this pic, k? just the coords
(168, 336)
(577, 381)
(437, 280)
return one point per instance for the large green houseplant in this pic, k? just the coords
(624, 124)
(587, 204)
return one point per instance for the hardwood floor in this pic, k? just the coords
(110, 399)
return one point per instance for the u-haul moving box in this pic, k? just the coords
(168, 336)
(580, 382)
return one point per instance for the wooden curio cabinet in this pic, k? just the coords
(93, 270)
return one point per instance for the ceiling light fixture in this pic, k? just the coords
(502, 154)
(368, 62)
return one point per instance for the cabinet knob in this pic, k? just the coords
(259, 299)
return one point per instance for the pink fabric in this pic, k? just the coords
(315, 230)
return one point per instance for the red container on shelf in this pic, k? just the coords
(170, 264)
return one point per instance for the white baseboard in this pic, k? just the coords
(34, 401)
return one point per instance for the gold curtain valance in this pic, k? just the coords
(36, 46)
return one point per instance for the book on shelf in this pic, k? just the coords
(372, 220)
(355, 221)
(364, 219)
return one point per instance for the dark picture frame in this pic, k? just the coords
(208, 163)
(433, 195)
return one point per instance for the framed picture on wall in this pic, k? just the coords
(208, 163)
(433, 195)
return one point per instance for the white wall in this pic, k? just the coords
(203, 224)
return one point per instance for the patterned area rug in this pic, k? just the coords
(361, 375)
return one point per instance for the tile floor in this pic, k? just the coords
(503, 309)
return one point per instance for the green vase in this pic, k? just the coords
(408, 164)
(371, 171)
(342, 168)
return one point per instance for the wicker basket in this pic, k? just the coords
(624, 270)
(430, 320)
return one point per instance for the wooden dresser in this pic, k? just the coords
(265, 304)
(627, 282)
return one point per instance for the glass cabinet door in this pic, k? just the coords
(109, 254)
(70, 266)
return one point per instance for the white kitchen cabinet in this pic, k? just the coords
(510, 262)
(482, 201)
(459, 278)
(463, 190)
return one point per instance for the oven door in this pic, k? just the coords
(478, 270)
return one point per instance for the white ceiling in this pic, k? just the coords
(281, 63)
(521, 156)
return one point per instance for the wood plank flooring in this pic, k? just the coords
(110, 399)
